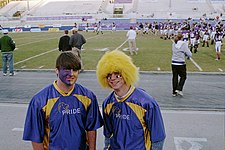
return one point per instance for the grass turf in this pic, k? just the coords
(40, 50)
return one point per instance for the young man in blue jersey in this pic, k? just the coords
(132, 118)
(65, 114)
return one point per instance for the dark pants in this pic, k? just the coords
(178, 70)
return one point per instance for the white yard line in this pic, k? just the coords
(121, 45)
(35, 56)
(41, 53)
(221, 70)
(199, 68)
(35, 42)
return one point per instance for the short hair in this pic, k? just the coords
(131, 27)
(66, 31)
(116, 61)
(68, 60)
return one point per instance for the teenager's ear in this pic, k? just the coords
(57, 72)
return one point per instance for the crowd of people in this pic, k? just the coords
(202, 33)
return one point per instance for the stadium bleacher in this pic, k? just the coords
(66, 12)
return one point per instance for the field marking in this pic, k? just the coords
(221, 70)
(194, 142)
(35, 42)
(121, 44)
(40, 67)
(35, 56)
(18, 129)
(199, 68)
(29, 58)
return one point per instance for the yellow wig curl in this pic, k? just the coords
(116, 61)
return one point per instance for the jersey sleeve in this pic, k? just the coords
(155, 123)
(34, 123)
(107, 126)
(94, 118)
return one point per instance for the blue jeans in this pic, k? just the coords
(7, 58)
(158, 145)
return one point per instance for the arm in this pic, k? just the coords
(187, 51)
(91, 135)
(60, 45)
(37, 146)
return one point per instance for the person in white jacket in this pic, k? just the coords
(180, 50)
(131, 37)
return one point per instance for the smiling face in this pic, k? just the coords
(68, 76)
(115, 81)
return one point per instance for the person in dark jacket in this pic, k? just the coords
(77, 40)
(7, 46)
(64, 42)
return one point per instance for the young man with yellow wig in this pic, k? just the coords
(132, 118)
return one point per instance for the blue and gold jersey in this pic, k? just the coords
(60, 120)
(133, 122)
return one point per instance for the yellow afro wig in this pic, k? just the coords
(116, 61)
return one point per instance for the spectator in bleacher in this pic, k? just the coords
(179, 51)
(64, 42)
(77, 41)
(7, 46)
(131, 37)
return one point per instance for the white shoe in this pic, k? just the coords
(179, 92)
(4, 74)
(174, 95)
(11, 74)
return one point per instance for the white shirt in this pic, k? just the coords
(131, 35)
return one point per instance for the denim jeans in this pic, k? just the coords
(7, 58)
(158, 145)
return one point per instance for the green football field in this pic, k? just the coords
(39, 51)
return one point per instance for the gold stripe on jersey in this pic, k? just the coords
(84, 100)
(140, 113)
(108, 108)
(47, 110)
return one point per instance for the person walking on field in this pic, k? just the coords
(132, 117)
(131, 36)
(64, 42)
(179, 51)
(64, 115)
(7, 46)
(77, 41)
